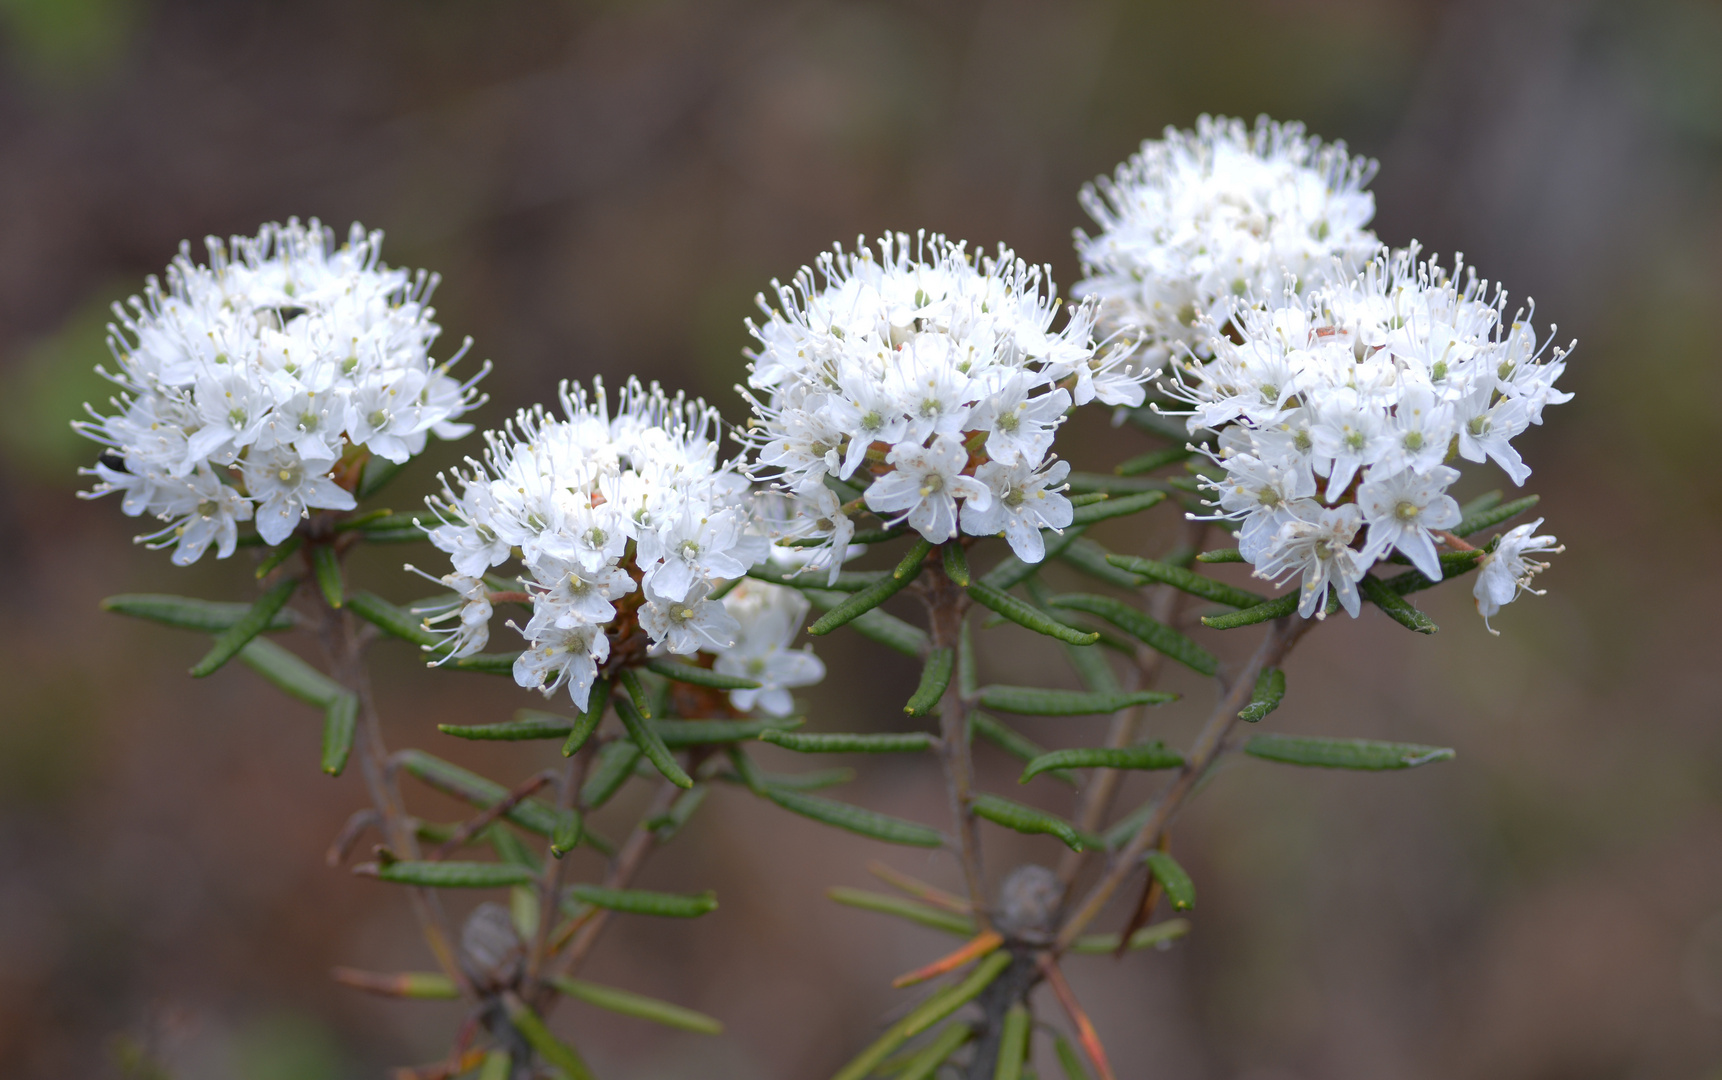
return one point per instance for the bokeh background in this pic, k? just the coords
(605, 186)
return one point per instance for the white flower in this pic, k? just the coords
(1024, 502)
(559, 656)
(470, 609)
(265, 368)
(1506, 572)
(1315, 542)
(924, 487)
(768, 617)
(686, 625)
(1401, 511)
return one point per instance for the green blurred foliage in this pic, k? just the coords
(287, 1046)
(63, 43)
(48, 386)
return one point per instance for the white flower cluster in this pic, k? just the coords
(248, 382)
(1198, 220)
(769, 616)
(622, 524)
(926, 375)
(1339, 408)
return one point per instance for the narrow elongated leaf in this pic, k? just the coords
(1343, 753)
(1117, 507)
(927, 1014)
(642, 701)
(651, 743)
(860, 603)
(393, 620)
(279, 555)
(290, 673)
(849, 581)
(497, 1066)
(1269, 692)
(528, 724)
(817, 780)
(567, 833)
(680, 733)
(1154, 459)
(1069, 1061)
(913, 910)
(1453, 564)
(956, 562)
(455, 875)
(1013, 1043)
(636, 1005)
(925, 1064)
(1277, 608)
(1154, 634)
(1012, 742)
(326, 568)
(935, 677)
(253, 622)
(855, 819)
(966, 685)
(1395, 606)
(451, 779)
(340, 719)
(1187, 581)
(1223, 555)
(509, 848)
(671, 821)
(421, 985)
(614, 764)
(1145, 756)
(553, 1050)
(699, 676)
(1157, 934)
(377, 472)
(1012, 571)
(1082, 482)
(1090, 558)
(187, 613)
(875, 536)
(597, 701)
(643, 902)
(1034, 701)
(1180, 890)
(1093, 668)
(1027, 615)
(804, 743)
(1024, 819)
(487, 663)
(1494, 515)
(910, 566)
(876, 625)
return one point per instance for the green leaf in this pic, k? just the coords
(630, 680)
(1180, 890)
(1154, 459)
(1112, 485)
(935, 677)
(925, 1064)
(279, 555)
(597, 700)
(699, 676)
(1012, 571)
(1012, 742)
(849, 744)
(1116, 507)
(817, 780)
(966, 685)
(1343, 753)
(928, 1013)
(509, 848)
(1027, 615)
(567, 834)
(636, 1005)
(248, 626)
(528, 724)
(393, 620)
(910, 567)
(340, 719)
(553, 1050)
(1395, 606)
(487, 663)
(849, 581)
(1093, 668)
(642, 902)
(913, 910)
(1034, 701)
(1222, 555)
(1491, 516)
(611, 769)
(497, 1066)
(956, 562)
(1090, 558)
(187, 613)
(874, 536)
(879, 626)
(680, 733)
(290, 673)
(650, 742)
(1277, 608)
(855, 819)
(1013, 1043)
(1068, 1059)
(326, 568)
(377, 472)
(451, 779)
(670, 822)
(1156, 635)
(1453, 564)
(1159, 933)
(1269, 692)
(1486, 501)
(859, 604)
(1024, 819)
(1187, 581)
(455, 875)
(1152, 755)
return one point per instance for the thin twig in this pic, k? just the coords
(476, 824)
(947, 604)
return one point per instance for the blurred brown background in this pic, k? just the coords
(604, 187)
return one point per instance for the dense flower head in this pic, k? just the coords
(1198, 220)
(622, 524)
(1341, 409)
(254, 386)
(934, 379)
